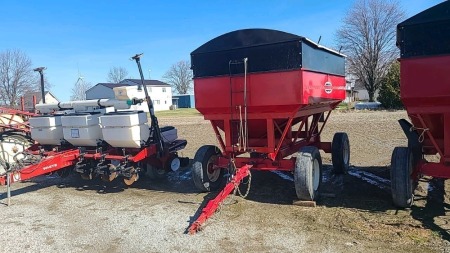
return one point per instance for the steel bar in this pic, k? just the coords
(214, 204)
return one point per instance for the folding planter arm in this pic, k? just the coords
(52, 163)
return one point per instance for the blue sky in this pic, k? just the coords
(96, 35)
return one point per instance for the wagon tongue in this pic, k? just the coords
(214, 204)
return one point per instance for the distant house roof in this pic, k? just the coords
(146, 82)
(29, 96)
(28, 99)
(131, 82)
(113, 85)
(109, 85)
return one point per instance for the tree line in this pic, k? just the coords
(17, 77)
(366, 36)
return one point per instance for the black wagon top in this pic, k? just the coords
(266, 50)
(427, 33)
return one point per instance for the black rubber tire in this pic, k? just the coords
(154, 172)
(402, 185)
(305, 174)
(21, 135)
(199, 169)
(340, 153)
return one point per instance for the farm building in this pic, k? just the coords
(351, 95)
(356, 91)
(185, 101)
(160, 92)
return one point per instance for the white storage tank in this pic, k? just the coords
(125, 129)
(82, 129)
(47, 129)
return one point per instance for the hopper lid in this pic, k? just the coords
(246, 38)
(436, 13)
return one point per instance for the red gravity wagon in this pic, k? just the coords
(268, 95)
(424, 42)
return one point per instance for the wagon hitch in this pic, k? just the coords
(215, 203)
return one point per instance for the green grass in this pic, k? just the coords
(345, 106)
(180, 112)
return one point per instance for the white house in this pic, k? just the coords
(160, 93)
(363, 94)
(356, 90)
(28, 99)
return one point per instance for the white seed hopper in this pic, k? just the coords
(47, 129)
(82, 129)
(125, 129)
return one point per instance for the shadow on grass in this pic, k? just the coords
(363, 188)
(435, 206)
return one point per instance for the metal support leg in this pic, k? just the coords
(8, 187)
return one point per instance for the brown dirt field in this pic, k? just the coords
(356, 214)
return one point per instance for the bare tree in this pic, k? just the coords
(79, 90)
(117, 74)
(179, 76)
(16, 76)
(367, 37)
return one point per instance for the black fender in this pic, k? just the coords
(413, 140)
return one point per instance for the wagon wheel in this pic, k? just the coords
(308, 173)
(402, 184)
(11, 144)
(155, 172)
(340, 153)
(205, 174)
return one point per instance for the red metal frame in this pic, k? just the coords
(14, 124)
(53, 161)
(436, 170)
(274, 102)
(425, 92)
(276, 149)
(214, 204)
(114, 154)
(50, 163)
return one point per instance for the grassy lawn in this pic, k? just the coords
(346, 106)
(180, 112)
